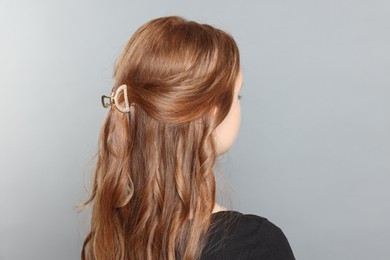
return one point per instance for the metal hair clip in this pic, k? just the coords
(109, 103)
(113, 99)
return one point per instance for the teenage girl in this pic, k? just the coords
(174, 108)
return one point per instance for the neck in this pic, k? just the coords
(218, 208)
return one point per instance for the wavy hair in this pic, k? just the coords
(153, 190)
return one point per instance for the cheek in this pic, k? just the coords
(236, 121)
(227, 131)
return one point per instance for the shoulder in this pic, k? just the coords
(248, 236)
(269, 242)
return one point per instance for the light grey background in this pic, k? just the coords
(313, 152)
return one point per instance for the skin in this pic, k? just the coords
(227, 131)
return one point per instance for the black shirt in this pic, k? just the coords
(237, 236)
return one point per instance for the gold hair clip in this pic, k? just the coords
(113, 99)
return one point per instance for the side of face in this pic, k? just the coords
(227, 131)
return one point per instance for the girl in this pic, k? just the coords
(174, 108)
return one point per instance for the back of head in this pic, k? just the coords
(154, 186)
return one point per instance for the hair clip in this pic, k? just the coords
(113, 99)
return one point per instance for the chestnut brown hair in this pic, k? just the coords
(153, 189)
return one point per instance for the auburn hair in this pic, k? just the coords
(153, 190)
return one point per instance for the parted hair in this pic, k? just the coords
(153, 190)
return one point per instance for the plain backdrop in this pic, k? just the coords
(313, 152)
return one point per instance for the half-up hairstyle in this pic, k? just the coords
(153, 190)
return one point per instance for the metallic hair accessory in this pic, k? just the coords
(113, 99)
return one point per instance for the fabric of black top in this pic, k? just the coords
(237, 236)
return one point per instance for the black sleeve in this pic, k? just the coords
(270, 244)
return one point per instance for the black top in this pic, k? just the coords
(237, 236)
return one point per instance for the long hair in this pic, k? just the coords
(153, 190)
